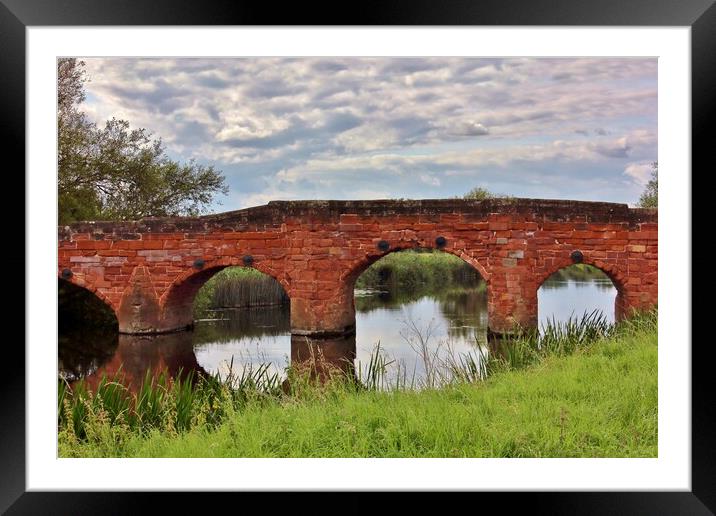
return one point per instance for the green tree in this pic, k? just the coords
(650, 197)
(118, 173)
(478, 193)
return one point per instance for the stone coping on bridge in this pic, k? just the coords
(275, 213)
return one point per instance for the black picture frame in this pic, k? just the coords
(17, 15)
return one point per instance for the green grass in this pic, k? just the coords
(595, 397)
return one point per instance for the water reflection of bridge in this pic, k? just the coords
(131, 357)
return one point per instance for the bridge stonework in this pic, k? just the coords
(148, 271)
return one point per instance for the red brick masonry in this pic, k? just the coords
(148, 271)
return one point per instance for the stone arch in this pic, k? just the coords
(97, 296)
(176, 303)
(342, 301)
(614, 273)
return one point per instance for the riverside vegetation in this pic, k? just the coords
(416, 270)
(584, 388)
(239, 287)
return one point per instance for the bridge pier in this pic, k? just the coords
(325, 315)
(511, 303)
(139, 311)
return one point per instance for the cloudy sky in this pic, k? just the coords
(372, 128)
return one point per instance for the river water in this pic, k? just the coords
(408, 329)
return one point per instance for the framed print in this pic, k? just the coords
(519, 141)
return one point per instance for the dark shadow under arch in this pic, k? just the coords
(82, 282)
(87, 330)
(79, 307)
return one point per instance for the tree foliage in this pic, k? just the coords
(650, 197)
(479, 194)
(118, 173)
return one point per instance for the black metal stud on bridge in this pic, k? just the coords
(383, 245)
(440, 242)
(577, 256)
(199, 263)
(66, 273)
(248, 260)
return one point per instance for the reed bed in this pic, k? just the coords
(248, 291)
(239, 287)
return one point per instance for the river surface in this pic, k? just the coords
(408, 329)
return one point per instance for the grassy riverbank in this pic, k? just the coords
(583, 396)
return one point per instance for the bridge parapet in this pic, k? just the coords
(272, 215)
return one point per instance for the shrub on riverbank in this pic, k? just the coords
(590, 393)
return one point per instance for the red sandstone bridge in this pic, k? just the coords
(149, 271)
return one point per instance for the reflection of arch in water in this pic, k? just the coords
(324, 355)
(582, 277)
(229, 325)
(81, 352)
(136, 354)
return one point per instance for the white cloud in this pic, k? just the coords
(430, 180)
(323, 127)
(639, 173)
(470, 128)
(367, 138)
(242, 125)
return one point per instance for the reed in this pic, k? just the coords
(373, 377)
(443, 366)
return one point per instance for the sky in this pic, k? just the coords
(379, 128)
